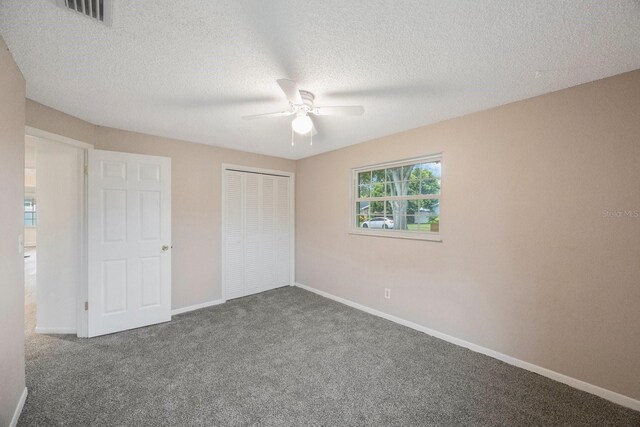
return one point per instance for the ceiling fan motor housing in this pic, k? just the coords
(307, 98)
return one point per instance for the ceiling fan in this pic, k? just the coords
(301, 103)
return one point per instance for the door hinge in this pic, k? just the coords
(86, 305)
(86, 169)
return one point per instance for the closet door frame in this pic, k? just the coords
(292, 225)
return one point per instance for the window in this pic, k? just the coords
(400, 199)
(30, 212)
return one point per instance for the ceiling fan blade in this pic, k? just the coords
(347, 110)
(290, 89)
(268, 115)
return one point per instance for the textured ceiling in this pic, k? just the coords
(190, 69)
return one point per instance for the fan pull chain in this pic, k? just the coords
(292, 137)
(311, 139)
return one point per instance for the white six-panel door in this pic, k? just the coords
(257, 232)
(129, 241)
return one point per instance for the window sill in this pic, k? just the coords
(430, 237)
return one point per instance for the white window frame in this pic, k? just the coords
(401, 234)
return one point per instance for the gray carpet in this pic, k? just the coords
(288, 358)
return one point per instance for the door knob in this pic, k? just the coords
(165, 248)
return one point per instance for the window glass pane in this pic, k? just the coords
(399, 207)
(398, 188)
(378, 176)
(362, 208)
(390, 190)
(362, 221)
(435, 224)
(430, 224)
(422, 216)
(402, 188)
(394, 174)
(406, 172)
(411, 222)
(364, 191)
(431, 207)
(388, 210)
(364, 178)
(414, 206)
(377, 209)
(434, 168)
(413, 187)
(378, 190)
(398, 213)
(429, 184)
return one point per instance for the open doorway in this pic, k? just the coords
(54, 220)
(30, 230)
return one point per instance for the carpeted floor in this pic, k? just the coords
(288, 358)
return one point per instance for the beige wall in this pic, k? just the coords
(529, 266)
(45, 118)
(12, 112)
(195, 204)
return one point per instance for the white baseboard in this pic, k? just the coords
(18, 411)
(618, 398)
(197, 306)
(55, 330)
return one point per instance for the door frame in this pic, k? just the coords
(292, 225)
(82, 318)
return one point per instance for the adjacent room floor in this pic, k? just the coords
(288, 358)
(29, 276)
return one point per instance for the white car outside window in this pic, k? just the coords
(378, 222)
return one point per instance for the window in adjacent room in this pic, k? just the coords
(399, 199)
(30, 212)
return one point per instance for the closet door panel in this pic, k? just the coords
(234, 235)
(252, 232)
(283, 232)
(268, 230)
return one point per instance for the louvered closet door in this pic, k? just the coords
(257, 233)
(267, 233)
(251, 232)
(234, 234)
(282, 232)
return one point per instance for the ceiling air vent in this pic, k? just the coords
(99, 10)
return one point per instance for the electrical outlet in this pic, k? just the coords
(387, 293)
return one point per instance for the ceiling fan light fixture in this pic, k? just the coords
(302, 124)
(301, 103)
